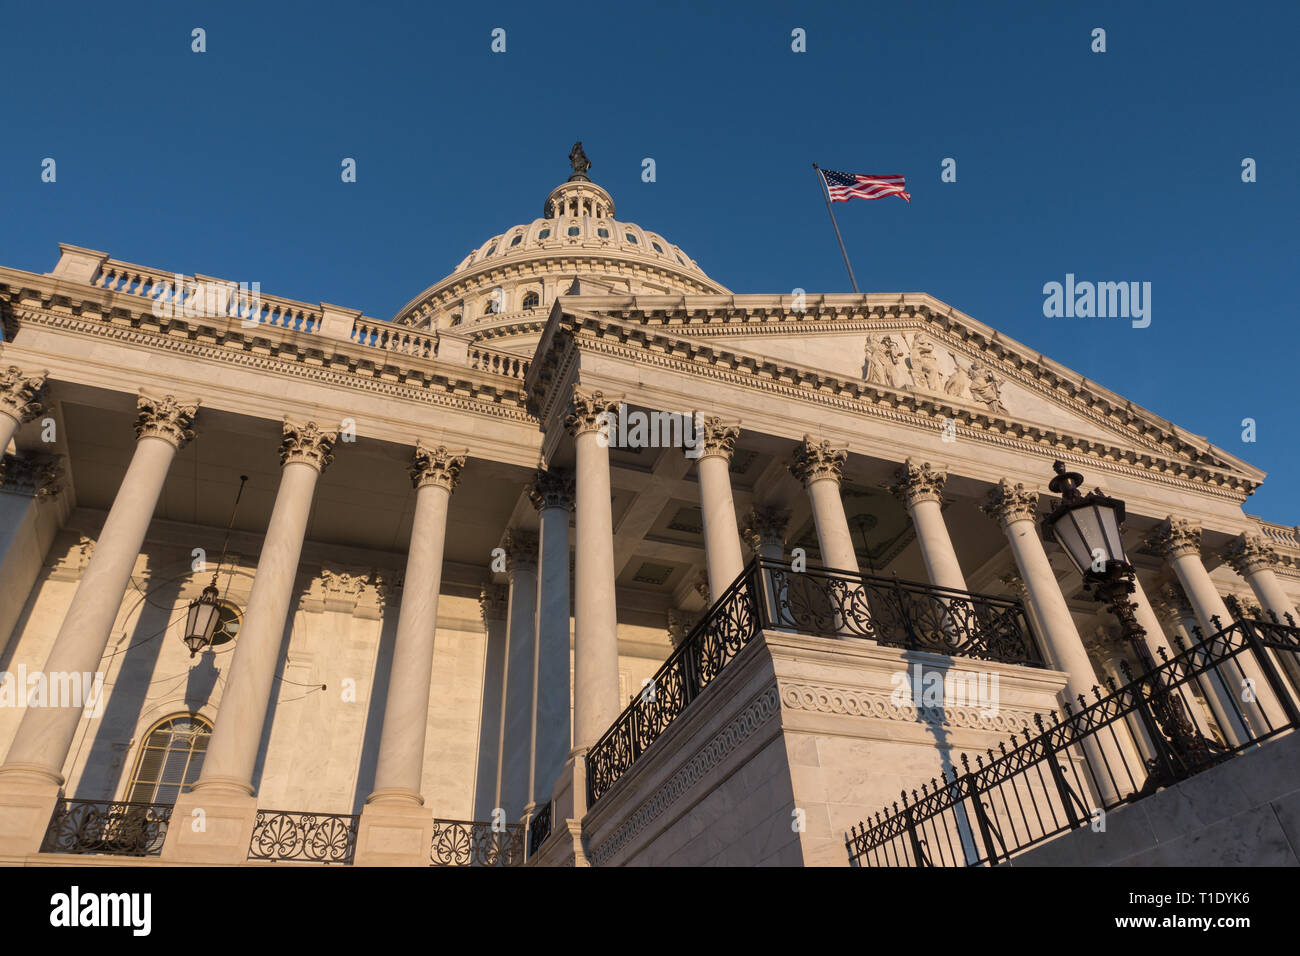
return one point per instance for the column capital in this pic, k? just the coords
(919, 481)
(33, 472)
(765, 525)
(520, 546)
(19, 393)
(588, 411)
(437, 466)
(493, 602)
(306, 443)
(551, 489)
(1169, 603)
(1008, 503)
(716, 438)
(1015, 582)
(1176, 538)
(165, 418)
(1103, 644)
(817, 460)
(1249, 553)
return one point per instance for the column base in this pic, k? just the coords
(393, 833)
(28, 796)
(211, 825)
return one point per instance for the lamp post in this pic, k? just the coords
(205, 611)
(1088, 528)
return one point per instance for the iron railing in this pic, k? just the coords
(101, 826)
(825, 602)
(471, 843)
(285, 835)
(1117, 749)
(539, 828)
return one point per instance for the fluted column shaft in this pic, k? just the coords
(721, 533)
(920, 488)
(232, 752)
(595, 638)
(552, 495)
(400, 766)
(820, 467)
(521, 671)
(45, 734)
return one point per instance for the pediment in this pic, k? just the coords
(912, 351)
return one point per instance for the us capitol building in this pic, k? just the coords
(583, 559)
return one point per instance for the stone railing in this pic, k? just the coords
(394, 338)
(182, 295)
(500, 363)
(1281, 535)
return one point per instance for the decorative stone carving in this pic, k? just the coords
(551, 489)
(1176, 537)
(986, 388)
(493, 602)
(882, 356)
(1015, 584)
(588, 412)
(350, 590)
(436, 466)
(919, 481)
(1249, 553)
(816, 460)
(1170, 604)
(702, 587)
(958, 384)
(306, 443)
(165, 418)
(1008, 503)
(925, 364)
(19, 394)
(718, 439)
(73, 563)
(521, 549)
(765, 526)
(32, 473)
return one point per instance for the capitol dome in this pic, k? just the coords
(518, 273)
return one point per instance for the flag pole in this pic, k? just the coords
(827, 196)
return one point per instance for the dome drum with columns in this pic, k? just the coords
(498, 602)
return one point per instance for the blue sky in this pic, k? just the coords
(1115, 166)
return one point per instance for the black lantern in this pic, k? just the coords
(1086, 526)
(201, 621)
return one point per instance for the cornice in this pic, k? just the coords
(590, 333)
(296, 355)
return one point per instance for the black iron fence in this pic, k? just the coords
(284, 835)
(101, 826)
(1149, 733)
(470, 843)
(539, 828)
(824, 602)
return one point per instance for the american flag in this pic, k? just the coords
(845, 186)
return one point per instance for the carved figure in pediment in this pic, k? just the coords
(986, 388)
(925, 364)
(958, 384)
(882, 362)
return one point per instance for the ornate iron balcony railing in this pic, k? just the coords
(101, 826)
(470, 843)
(821, 601)
(1056, 779)
(285, 835)
(539, 828)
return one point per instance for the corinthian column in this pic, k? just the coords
(595, 630)
(920, 488)
(18, 401)
(305, 452)
(45, 734)
(721, 536)
(1179, 541)
(521, 670)
(552, 496)
(820, 468)
(1254, 559)
(400, 767)
(764, 531)
(1015, 508)
(487, 788)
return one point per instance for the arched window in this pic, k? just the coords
(531, 300)
(170, 759)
